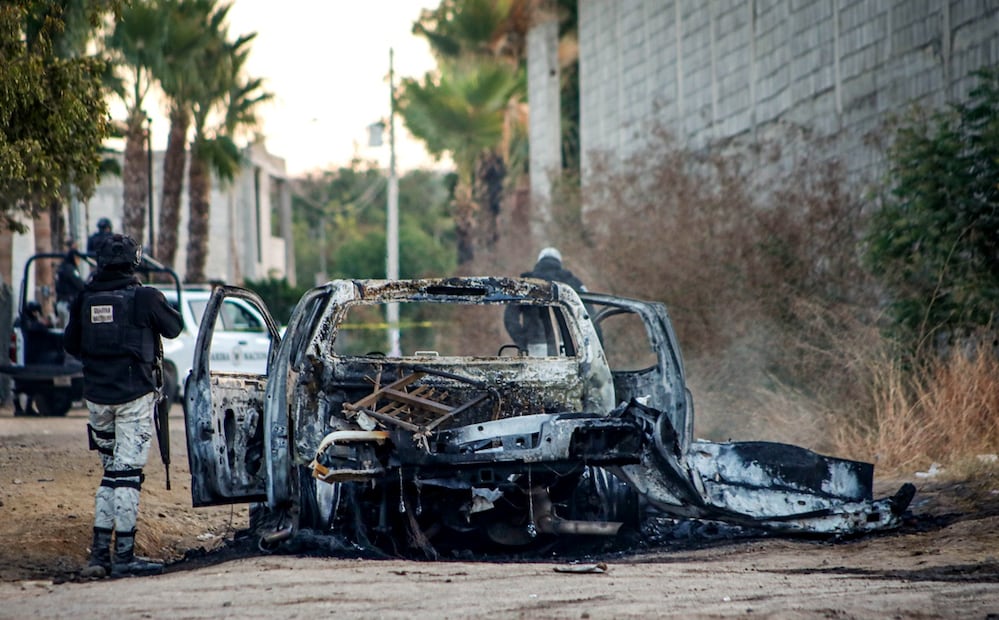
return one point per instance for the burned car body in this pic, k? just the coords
(470, 438)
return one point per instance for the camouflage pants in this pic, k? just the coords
(121, 435)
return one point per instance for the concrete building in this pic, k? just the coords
(250, 223)
(731, 71)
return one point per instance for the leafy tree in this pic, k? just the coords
(348, 205)
(935, 242)
(53, 114)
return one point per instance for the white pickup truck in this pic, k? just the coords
(240, 342)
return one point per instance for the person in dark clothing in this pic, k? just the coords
(34, 318)
(115, 326)
(95, 240)
(531, 326)
(549, 267)
(68, 282)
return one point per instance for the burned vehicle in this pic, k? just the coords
(514, 412)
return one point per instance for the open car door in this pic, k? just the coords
(644, 356)
(223, 414)
(756, 483)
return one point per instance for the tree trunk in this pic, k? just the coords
(57, 227)
(199, 188)
(135, 173)
(7, 257)
(464, 223)
(490, 174)
(173, 183)
(44, 292)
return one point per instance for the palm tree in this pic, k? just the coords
(228, 91)
(473, 107)
(465, 112)
(136, 45)
(192, 25)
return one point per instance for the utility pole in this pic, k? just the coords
(392, 226)
(149, 183)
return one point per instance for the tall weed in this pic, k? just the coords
(939, 409)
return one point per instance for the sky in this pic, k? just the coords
(327, 63)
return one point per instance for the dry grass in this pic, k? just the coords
(939, 409)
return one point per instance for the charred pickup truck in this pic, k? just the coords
(470, 438)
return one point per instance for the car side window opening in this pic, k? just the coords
(454, 330)
(625, 341)
(197, 311)
(234, 316)
(237, 318)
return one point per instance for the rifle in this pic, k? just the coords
(161, 418)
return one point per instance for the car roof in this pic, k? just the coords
(194, 292)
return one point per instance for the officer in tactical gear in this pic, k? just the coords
(115, 325)
(68, 282)
(549, 267)
(530, 326)
(95, 240)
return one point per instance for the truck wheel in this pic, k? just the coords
(53, 403)
(23, 405)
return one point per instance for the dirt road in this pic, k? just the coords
(943, 564)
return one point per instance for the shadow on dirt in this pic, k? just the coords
(986, 572)
(657, 534)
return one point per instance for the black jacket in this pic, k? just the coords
(95, 240)
(530, 326)
(68, 281)
(119, 379)
(550, 268)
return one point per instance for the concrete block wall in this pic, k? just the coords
(718, 70)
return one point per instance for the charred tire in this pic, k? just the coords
(54, 403)
(602, 496)
(317, 501)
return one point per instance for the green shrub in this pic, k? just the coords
(279, 296)
(935, 242)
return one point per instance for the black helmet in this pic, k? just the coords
(119, 252)
(104, 224)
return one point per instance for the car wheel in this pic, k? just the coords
(23, 405)
(53, 403)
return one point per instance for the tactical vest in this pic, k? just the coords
(110, 329)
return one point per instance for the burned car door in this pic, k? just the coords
(644, 356)
(223, 414)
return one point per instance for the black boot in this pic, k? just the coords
(99, 565)
(126, 562)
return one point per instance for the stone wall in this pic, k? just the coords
(724, 70)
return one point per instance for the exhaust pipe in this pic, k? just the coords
(547, 522)
(269, 542)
